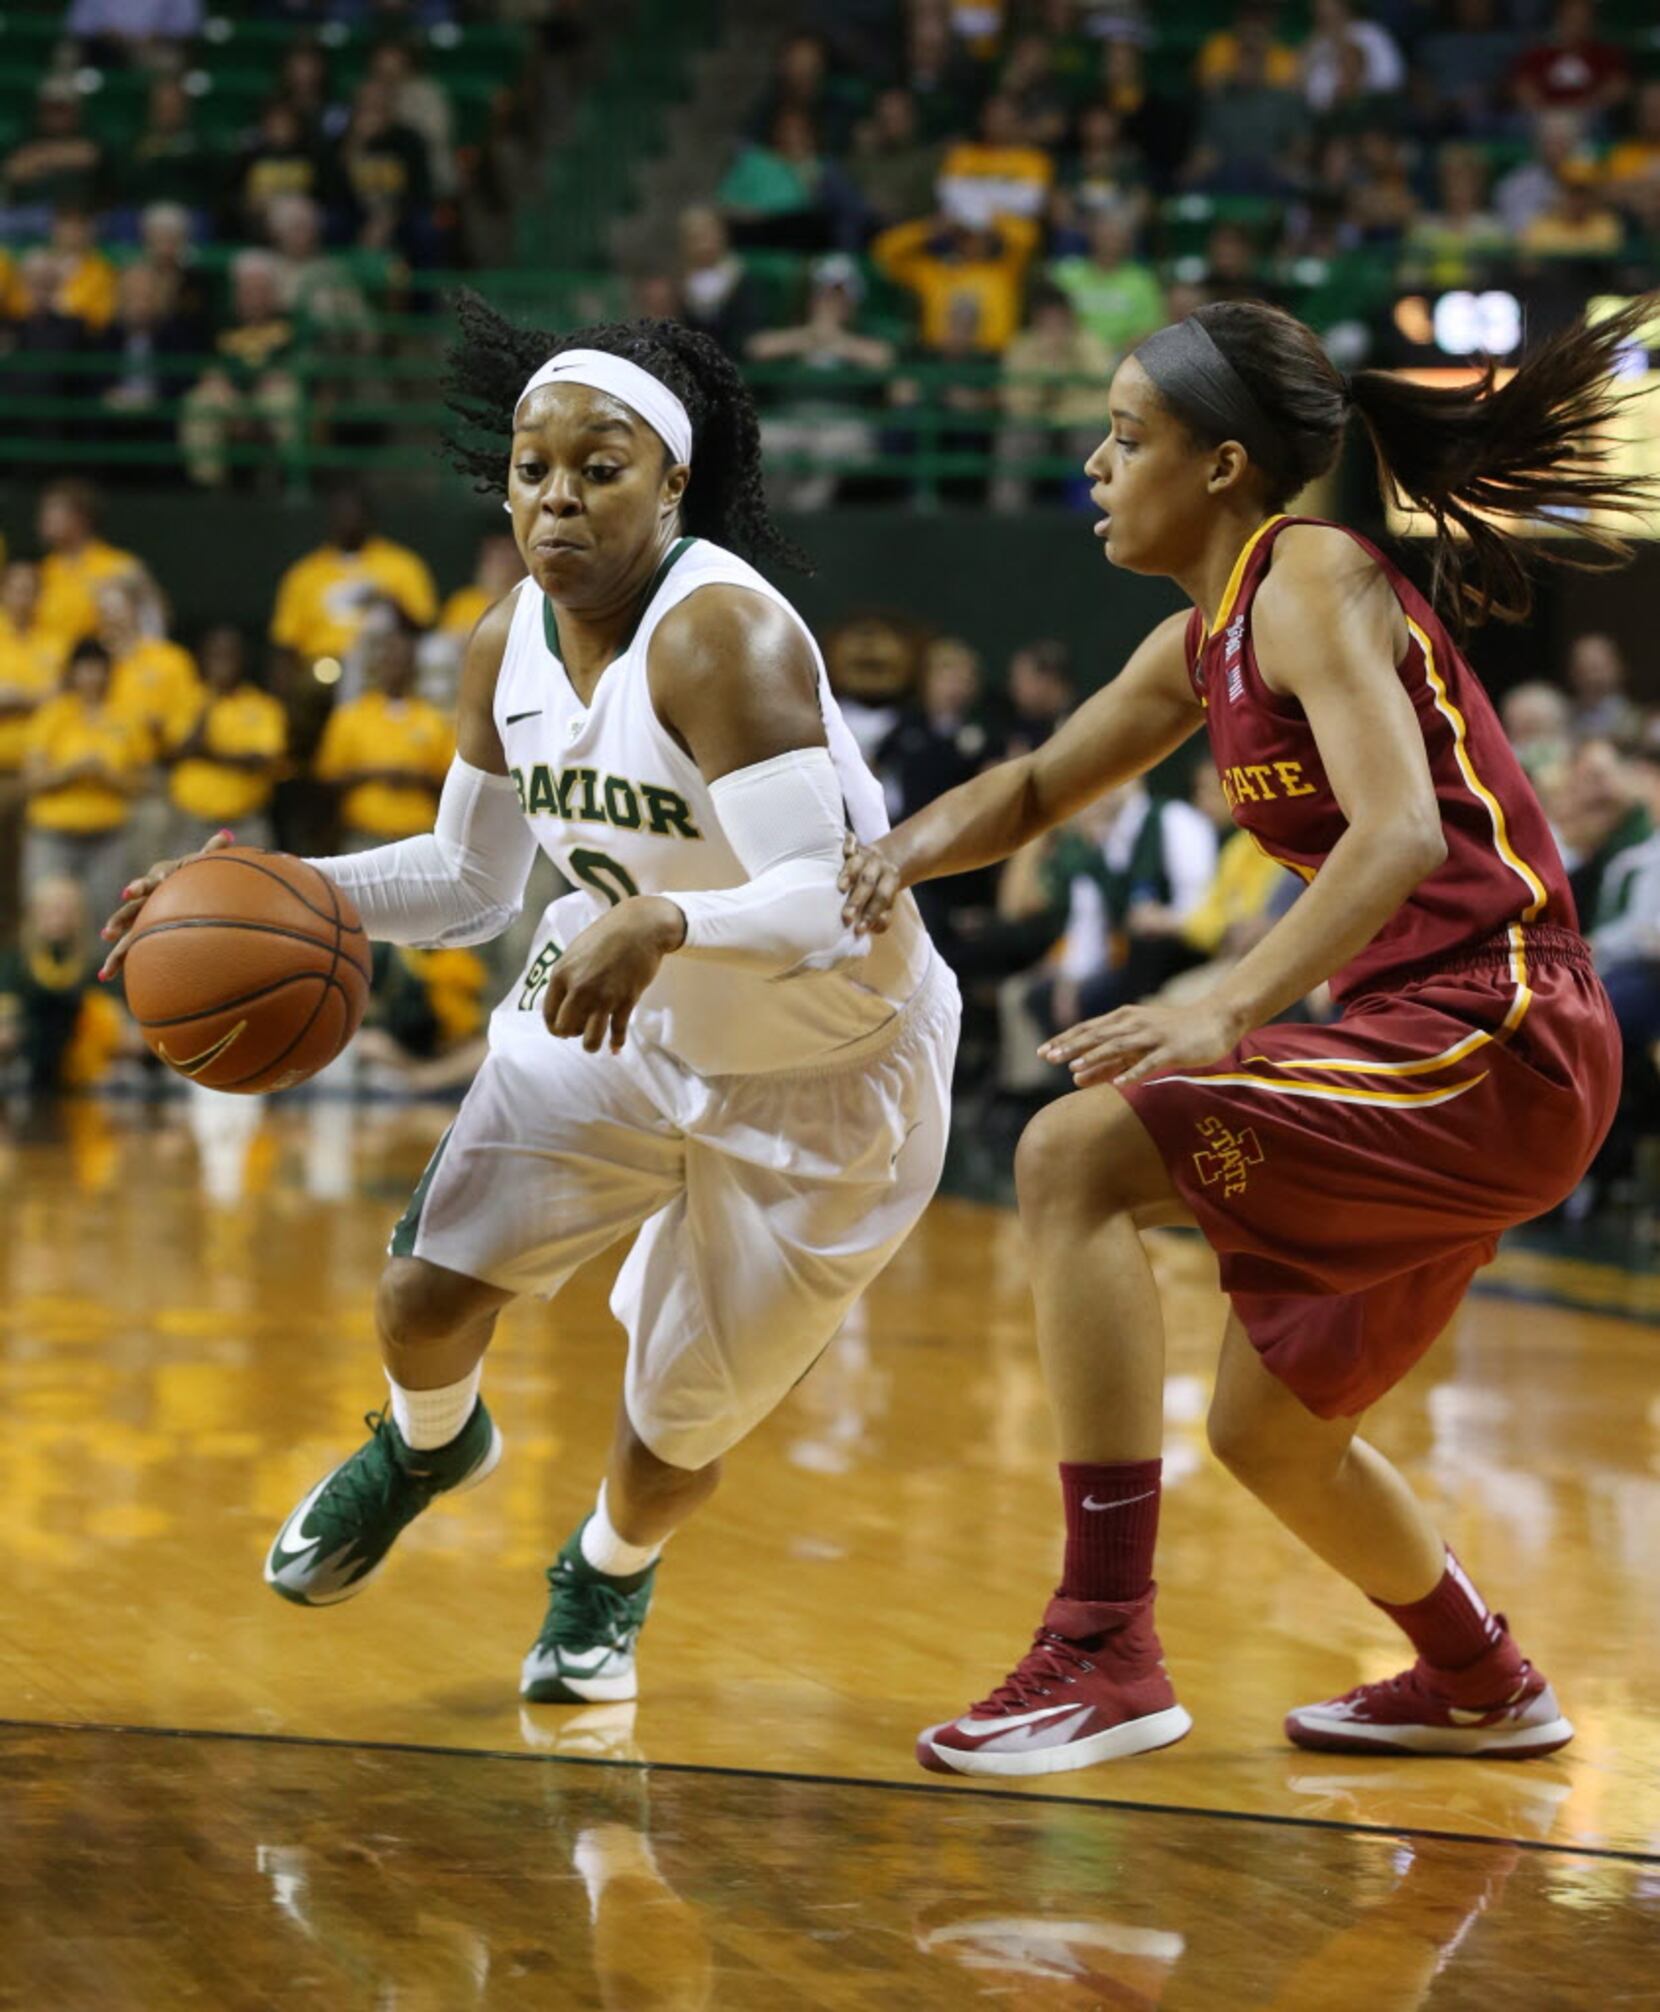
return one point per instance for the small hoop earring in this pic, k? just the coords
(508, 507)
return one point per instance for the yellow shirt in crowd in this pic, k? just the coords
(244, 722)
(14, 298)
(992, 284)
(463, 611)
(88, 291)
(1631, 160)
(1247, 880)
(65, 730)
(456, 983)
(375, 732)
(324, 597)
(69, 588)
(29, 663)
(986, 181)
(157, 686)
(1219, 58)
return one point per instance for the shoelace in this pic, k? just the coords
(583, 1610)
(368, 1484)
(1051, 1660)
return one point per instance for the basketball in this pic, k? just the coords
(248, 971)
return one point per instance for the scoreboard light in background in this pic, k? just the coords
(1461, 323)
(1490, 324)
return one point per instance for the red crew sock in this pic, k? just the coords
(1112, 1522)
(1451, 1627)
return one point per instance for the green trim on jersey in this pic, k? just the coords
(409, 1223)
(550, 628)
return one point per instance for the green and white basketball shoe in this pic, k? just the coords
(585, 1651)
(335, 1542)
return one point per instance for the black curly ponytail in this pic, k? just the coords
(725, 500)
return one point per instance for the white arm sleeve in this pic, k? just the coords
(461, 882)
(784, 818)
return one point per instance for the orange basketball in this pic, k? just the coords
(247, 970)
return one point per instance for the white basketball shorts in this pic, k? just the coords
(765, 1204)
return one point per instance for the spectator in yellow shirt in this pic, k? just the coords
(1579, 224)
(1637, 159)
(58, 1030)
(154, 682)
(324, 597)
(1220, 54)
(85, 287)
(77, 562)
(30, 659)
(951, 267)
(226, 767)
(30, 662)
(83, 765)
(996, 175)
(14, 295)
(387, 752)
(497, 569)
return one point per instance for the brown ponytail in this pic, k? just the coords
(1528, 451)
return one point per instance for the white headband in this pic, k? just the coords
(642, 393)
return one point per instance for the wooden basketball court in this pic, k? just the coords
(215, 1799)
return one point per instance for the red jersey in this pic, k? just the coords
(1502, 874)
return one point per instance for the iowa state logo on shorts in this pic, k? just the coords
(1227, 1156)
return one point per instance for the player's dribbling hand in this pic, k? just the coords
(597, 983)
(871, 883)
(137, 892)
(1137, 1042)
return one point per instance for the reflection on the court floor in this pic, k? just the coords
(146, 1871)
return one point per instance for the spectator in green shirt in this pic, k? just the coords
(1118, 298)
(785, 195)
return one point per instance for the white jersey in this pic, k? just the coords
(620, 808)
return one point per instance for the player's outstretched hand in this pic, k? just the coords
(871, 883)
(1136, 1042)
(137, 892)
(597, 983)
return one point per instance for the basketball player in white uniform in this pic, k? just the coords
(699, 1052)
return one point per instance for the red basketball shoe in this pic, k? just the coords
(1499, 1705)
(1090, 1688)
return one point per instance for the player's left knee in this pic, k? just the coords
(1079, 1156)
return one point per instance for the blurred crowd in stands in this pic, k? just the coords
(185, 219)
(1024, 191)
(945, 220)
(332, 728)
(119, 745)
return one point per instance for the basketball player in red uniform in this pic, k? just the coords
(1350, 1177)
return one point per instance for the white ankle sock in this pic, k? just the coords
(429, 1418)
(609, 1553)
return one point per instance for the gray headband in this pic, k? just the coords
(1193, 376)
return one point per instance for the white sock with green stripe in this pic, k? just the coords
(432, 1418)
(609, 1553)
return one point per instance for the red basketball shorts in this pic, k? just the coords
(1352, 1178)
